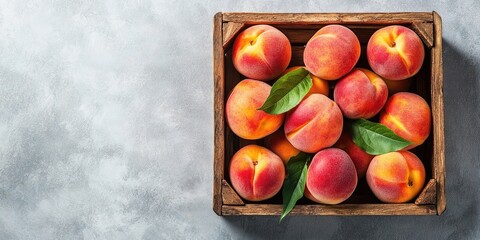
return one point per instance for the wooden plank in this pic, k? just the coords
(341, 209)
(218, 91)
(438, 115)
(230, 30)
(428, 194)
(301, 36)
(425, 32)
(328, 18)
(229, 196)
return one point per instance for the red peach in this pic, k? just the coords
(332, 52)
(395, 52)
(256, 173)
(360, 158)
(396, 177)
(241, 110)
(409, 116)
(331, 176)
(315, 123)
(360, 94)
(261, 52)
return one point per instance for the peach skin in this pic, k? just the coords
(261, 52)
(241, 110)
(278, 143)
(256, 173)
(331, 177)
(395, 52)
(409, 116)
(316, 123)
(396, 177)
(332, 52)
(318, 85)
(360, 94)
(360, 158)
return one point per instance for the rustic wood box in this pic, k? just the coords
(299, 27)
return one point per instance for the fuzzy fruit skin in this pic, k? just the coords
(241, 110)
(332, 52)
(409, 116)
(261, 52)
(256, 173)
(360, 94)
(396, 177)
(331, 177)
(395, 52)
(278, 143)
(360, 158)
(315, 123)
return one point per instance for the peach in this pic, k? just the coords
(331, 177)
(315, 123)
(309, 195)
(261, 52)
(360, 94)
(332, 52)
(395, 52)
(256, 173)
(360, 158)
(241, 110)
(278, 143)
(318, 85)
(409, 116)
(396, 177)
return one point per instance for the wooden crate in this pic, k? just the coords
(299, 27)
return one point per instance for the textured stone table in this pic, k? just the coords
(106, 123)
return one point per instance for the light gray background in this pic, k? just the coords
(106, 123)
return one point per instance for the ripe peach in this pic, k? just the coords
(395, 52)
(396, 177)
(241, 110)
(256, 173)
(360, 94)
(360, 158)
(331, 176)
(408, 115)
(318, 85)
(332, 52)
(315, 123)
(261, 52)
(278, 143)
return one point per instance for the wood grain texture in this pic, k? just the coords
(425, 32)
(230, 30)
(428, 194)
(229, 196)
(438, 115)
(219, 129)
(301, 36)
(341, 209)
(328, 18)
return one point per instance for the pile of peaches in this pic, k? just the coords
(316, 125)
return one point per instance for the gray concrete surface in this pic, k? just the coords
(106, 123)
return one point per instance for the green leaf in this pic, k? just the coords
(375, 138)
(294, 184)
(287, 92)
